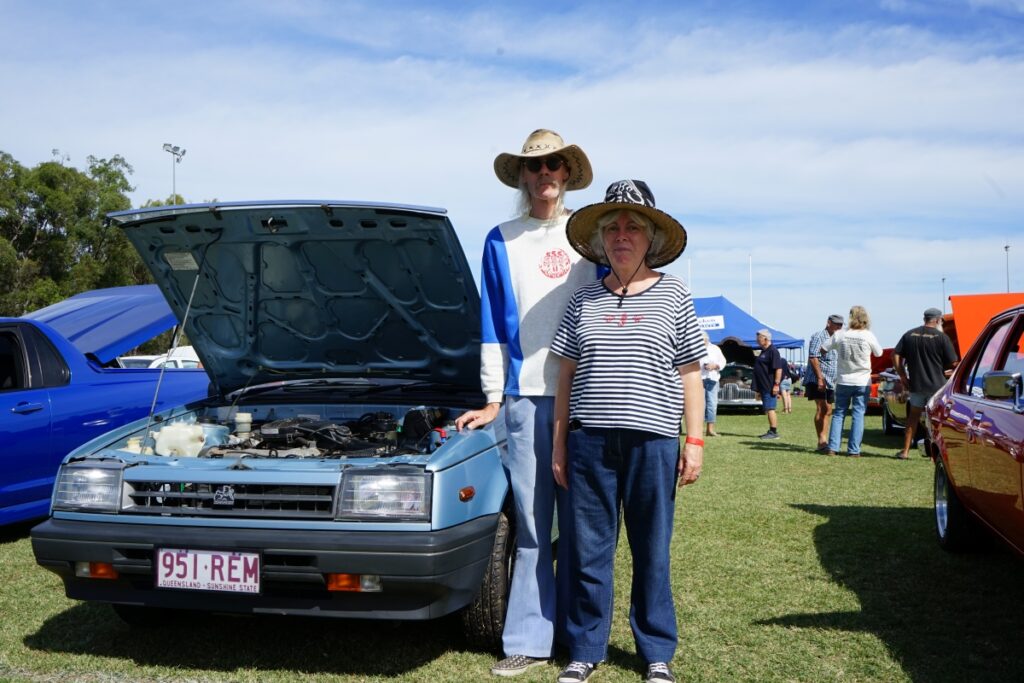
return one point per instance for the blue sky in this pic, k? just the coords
(845, 153)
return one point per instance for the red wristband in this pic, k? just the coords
(695, 441)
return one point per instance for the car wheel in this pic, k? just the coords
(889, 426)
(954, 528)
(483, 620)
(148, 617)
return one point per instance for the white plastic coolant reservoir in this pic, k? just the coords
(179, 438)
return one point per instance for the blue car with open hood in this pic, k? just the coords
(324, 475)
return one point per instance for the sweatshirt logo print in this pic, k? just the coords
(555, 264)
(621, 320)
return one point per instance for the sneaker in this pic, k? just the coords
(515, 665)
(769, 435)
(658, 672)
(902, 456)
(822, 448)
(576, 672)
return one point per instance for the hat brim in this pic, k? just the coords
(583, 224)
(507, 166)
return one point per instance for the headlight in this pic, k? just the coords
(385, 495)
(88, 488)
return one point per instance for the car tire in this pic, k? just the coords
(483, 620)
(889, 426)
(955, 530)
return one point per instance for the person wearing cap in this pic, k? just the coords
(768, 369)
(528, 273)
(854, 348)
(631, 350)
(923, 358)
(820, 378)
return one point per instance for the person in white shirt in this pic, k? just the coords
(854, 347)
(710, 372)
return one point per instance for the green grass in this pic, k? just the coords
(788, 566)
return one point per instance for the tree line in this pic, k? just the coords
(53, 238)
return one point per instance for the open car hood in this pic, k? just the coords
(291, 290)
(107, 323)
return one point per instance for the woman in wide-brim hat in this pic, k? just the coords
(630, 348)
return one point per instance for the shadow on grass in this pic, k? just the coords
(265, 643)
(12, 533)
(944, 617)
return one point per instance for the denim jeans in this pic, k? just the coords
(536, 605)
(710, 400)
(854, 400)
(609, 468)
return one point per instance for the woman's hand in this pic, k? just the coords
(474, 419)
(560, 466)
(691, 462)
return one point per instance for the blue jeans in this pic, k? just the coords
(536, 606)
(855, 401)
(609, 468)
(710, 400)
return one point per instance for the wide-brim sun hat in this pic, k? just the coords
(631, 195)
(542, 143)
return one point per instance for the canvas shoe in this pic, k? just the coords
(769, 435)
(576, 672)
(658, 672)
(516, 664)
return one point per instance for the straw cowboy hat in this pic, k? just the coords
(542, 143)
(633, 195)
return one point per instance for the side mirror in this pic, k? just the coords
(1001, 385)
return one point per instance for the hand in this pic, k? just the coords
(690, 463)
(474, 419)
(560, 466)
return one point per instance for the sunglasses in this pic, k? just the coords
(553, 164)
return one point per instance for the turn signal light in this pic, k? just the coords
(95, 570)
(466, 494)
(353, 583)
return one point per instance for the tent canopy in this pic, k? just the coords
(724, 321)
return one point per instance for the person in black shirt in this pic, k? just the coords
(923, 358)
(767, 376)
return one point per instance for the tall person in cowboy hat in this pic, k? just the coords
(631, 348)
(529, 272)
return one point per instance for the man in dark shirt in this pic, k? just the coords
(923, 358)
(767, 376)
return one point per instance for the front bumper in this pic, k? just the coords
(424, 574)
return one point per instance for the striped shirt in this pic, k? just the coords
(627, 355)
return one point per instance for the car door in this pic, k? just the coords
(25, 425)
(996, 441)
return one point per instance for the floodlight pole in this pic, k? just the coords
(943, 295)
(1007, 249)
(176, 153)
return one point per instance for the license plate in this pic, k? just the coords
(208, 570)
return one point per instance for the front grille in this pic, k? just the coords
(733, 392)
(278, 501)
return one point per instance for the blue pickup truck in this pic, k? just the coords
(60, 385)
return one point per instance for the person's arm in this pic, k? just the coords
(876, 348)
(691, 460)
(900, 367)
(778, 364)
(493, 347)
(559, 446)
(818, 374)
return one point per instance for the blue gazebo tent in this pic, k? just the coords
(725, 322)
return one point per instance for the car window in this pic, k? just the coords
(12, 371)
(986, 360)
(1015, 350)
(190, 364)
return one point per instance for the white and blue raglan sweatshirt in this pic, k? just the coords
(529, 272)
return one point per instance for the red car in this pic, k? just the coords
(976, 438)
